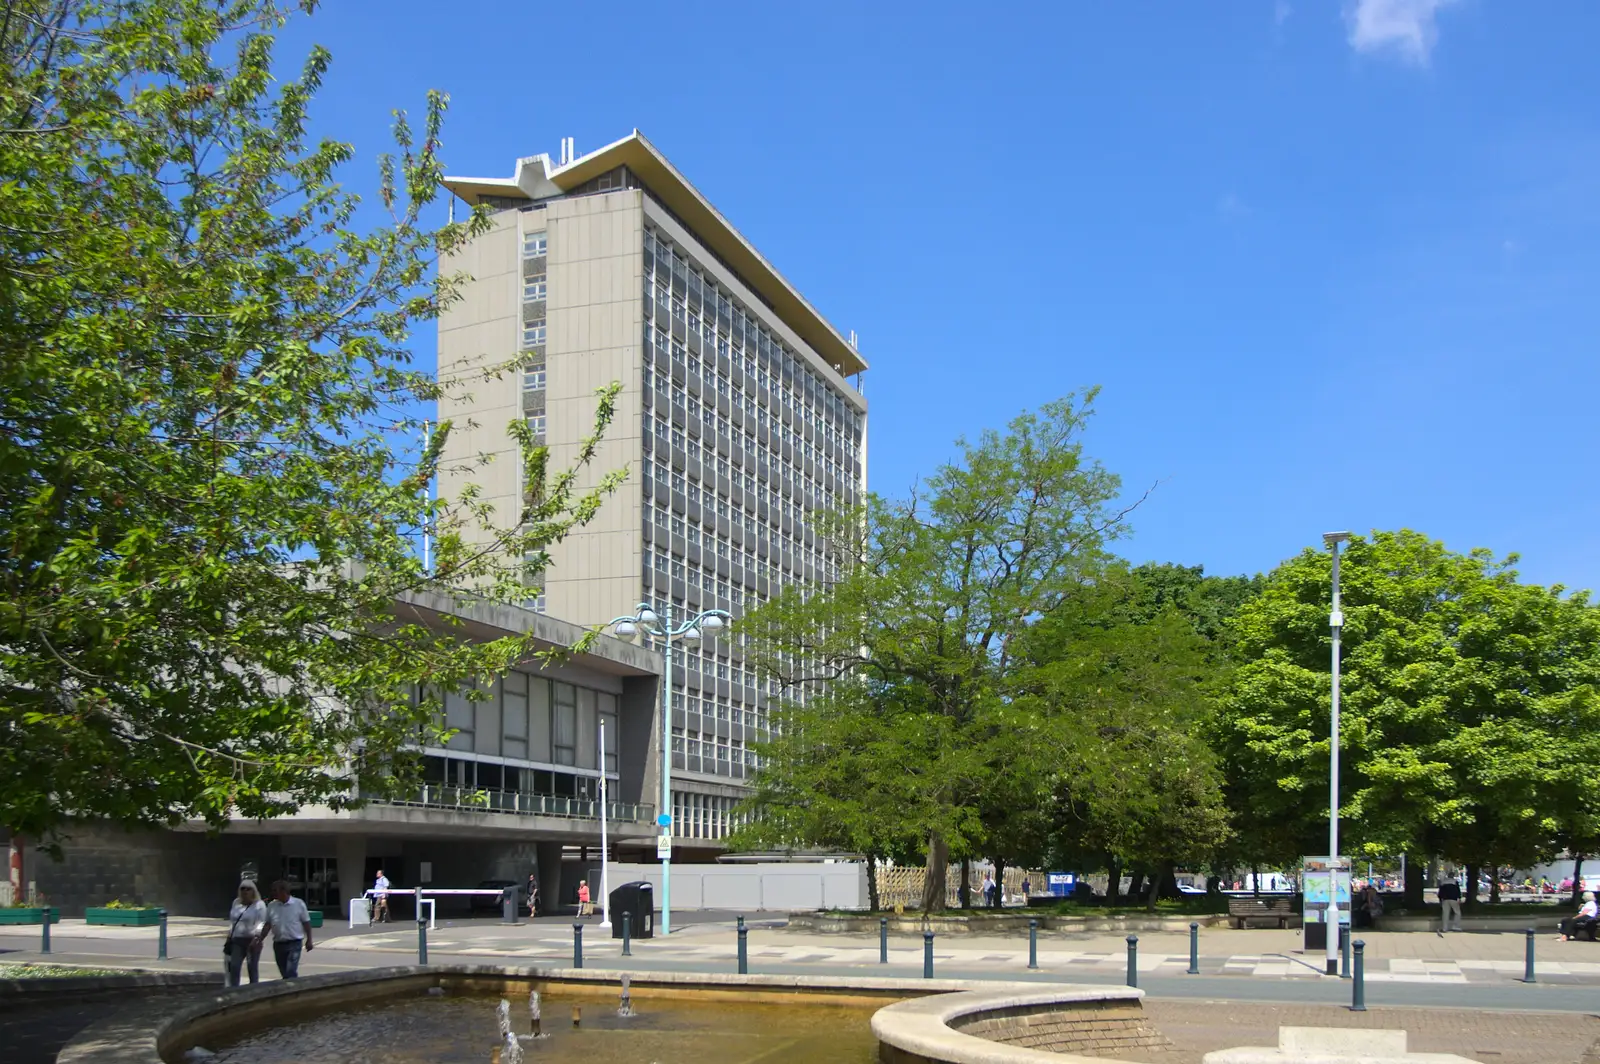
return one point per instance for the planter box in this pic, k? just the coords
(316, 917)
(29, 915)
(123, 917)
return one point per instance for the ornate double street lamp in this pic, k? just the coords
(648, 626)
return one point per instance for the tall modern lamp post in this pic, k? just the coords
(646, 625)
(1336, 624)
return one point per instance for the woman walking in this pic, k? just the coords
(249, 924)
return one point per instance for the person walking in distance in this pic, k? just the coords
(290, 923)
(533, 894)
(243, 946)
(1449, 905)
(380, 898)
(583, 897)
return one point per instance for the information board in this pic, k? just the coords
(1326, 882)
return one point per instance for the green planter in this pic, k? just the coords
(316, 917)
(29, 915)
(148, 917)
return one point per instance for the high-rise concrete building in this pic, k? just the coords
(737, 419)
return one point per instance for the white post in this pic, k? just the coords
(605, 851)
(667, 826)
(1336, 624)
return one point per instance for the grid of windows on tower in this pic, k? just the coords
(534, 293)
(704, 816)
(743, 443)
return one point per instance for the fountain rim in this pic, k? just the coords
(920, 1028)
(138, 1036)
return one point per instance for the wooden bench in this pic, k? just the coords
(1268, 910)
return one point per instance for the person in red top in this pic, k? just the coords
(583, 898)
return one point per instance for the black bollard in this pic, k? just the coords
(1194, 949)
(1358, 986)
(161, 938)
(1527, 965)
(627, 934)
(744, 954)
(1133, 960)
(1033, 944)
(422, 942)
(883, 940)
(1344, 950)
(44, 945)
(927, 955)
(577, 944)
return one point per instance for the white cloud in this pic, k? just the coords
(1407, 27)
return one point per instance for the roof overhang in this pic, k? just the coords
(536, 179)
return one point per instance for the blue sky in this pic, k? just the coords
(1334, 263)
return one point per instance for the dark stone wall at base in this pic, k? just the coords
(195, 874)
(191, 873)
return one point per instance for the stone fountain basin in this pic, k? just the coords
(927, 1019)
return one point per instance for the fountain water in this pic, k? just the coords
(511, 1051)
(533, 1013)
(626, 1008)
(502, 1016)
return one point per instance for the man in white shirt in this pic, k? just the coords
(290, 924)
(380, 898)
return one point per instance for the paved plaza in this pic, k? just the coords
(1198, 1027)
(708, 942)
(1458, 993)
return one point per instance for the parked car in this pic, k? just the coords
(487, 903)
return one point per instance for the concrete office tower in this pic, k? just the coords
(736, 421)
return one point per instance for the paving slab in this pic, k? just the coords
(1197, 1027)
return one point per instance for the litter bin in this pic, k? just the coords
(508, 905)
(638, 900)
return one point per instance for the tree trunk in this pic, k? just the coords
(1152, 892)
(17, 896)
(964, 891)
(1494, 883)
(1255, 880)
(1469, 893)
(1113, 881)
(1577, 878)
(1136, 885)
(874, 903)
(999, 882)
(1416, 873)
(933, 879)
(1167, 884)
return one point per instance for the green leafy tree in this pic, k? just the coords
(836, 779)
(1208, 603)
(939, 586)
(204, 371)
(1464, 694)
(1121, 694)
